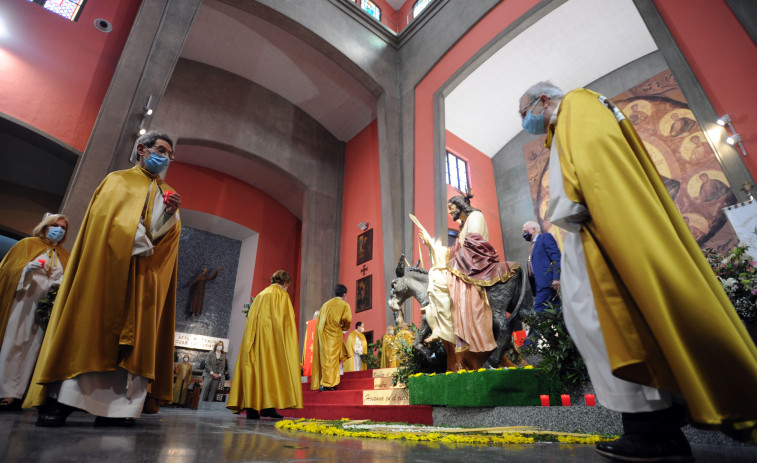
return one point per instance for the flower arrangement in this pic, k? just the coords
(737, 272)
(419, 434)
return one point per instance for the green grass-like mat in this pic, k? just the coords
(489, 388)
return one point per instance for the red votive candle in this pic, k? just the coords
(41, 261)
(544, 400)
(565, 400)
(590, 401)
(520, 337)
(167, 195)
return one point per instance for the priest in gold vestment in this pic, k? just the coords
(640, 300)
(108, 349)
(334, 319)
(181, 383)
(356, 345)
(389, 349)
(267, 374)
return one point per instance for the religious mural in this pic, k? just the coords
(679, 150)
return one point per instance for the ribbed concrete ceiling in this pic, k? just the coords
(238, 42)
(574, 45)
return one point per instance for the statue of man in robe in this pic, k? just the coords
(198, 296)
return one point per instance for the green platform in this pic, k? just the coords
(490, 388)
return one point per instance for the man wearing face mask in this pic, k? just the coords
(543, 266)
(639, 299)
(117, 300)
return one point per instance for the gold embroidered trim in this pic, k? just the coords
(474, 281)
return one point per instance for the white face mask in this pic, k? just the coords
(219, 348)
(186, 359)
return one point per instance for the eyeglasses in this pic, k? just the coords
(163, 151)
(530, 105)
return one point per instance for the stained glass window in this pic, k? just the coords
(457, 172)
(419, 6)
(69, 9)
(371, 9)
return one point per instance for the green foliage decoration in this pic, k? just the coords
(372, 358)
(246, 310)
(558, 356)
(737, 273)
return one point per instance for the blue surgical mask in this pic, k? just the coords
(534, 124)
(156, 164)
(55, 234)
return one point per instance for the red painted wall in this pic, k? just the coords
(481, 178)
(723, 58)
(362, 203)
(484, 31)
(54, 72)
(279, 230)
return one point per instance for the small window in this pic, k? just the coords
(419, 6)
(457, 172)
(69, 9)
(371, 9)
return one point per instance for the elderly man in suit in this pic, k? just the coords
(543, 266)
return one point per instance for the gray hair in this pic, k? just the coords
(532, 224)
(544, 88)
(148, 140)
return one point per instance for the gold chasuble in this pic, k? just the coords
(12, 267)
(181, 385)
(334, 318)
(389, 349)
(349, 363)
(114, 309)
(666, 320)
(267, 374)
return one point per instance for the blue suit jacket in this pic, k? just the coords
(544, 253)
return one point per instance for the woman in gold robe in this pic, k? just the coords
(32, 267)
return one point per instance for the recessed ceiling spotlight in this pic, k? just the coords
(103, 25)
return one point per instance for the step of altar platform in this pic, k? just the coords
(362, 395)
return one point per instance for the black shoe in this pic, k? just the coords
(328, 388)
(252, 414)
(648, 448)
(104, 421)
(53, 414)
(270, 413)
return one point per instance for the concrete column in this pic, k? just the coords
(146, 65)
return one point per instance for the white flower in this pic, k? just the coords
(729, 283)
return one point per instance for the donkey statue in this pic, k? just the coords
(506, 300)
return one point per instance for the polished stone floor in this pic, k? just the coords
(186, 436)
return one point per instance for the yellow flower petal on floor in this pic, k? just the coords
(506, 438)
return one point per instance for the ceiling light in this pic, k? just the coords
(724, 119)
(733, 139)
